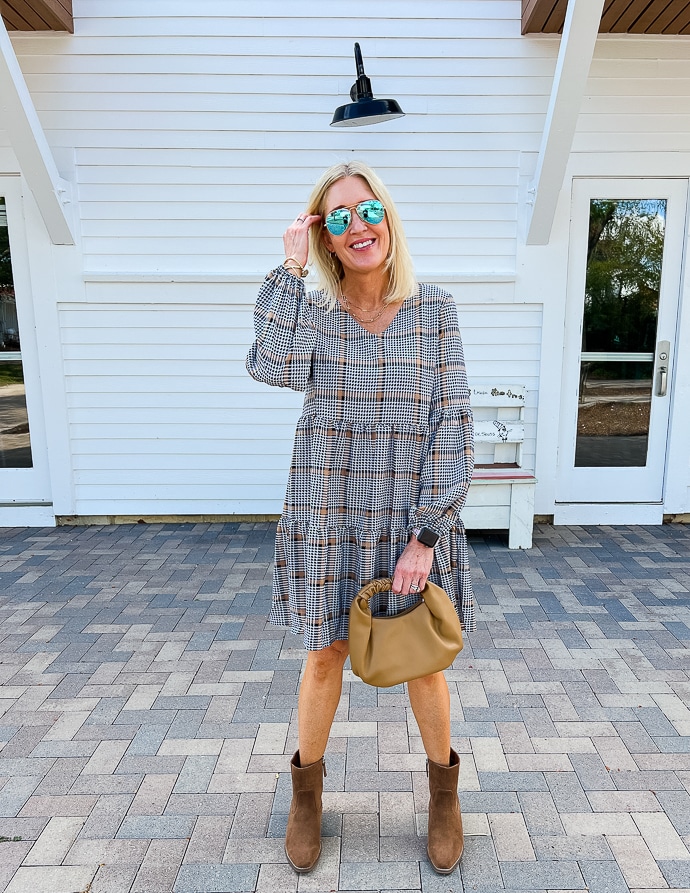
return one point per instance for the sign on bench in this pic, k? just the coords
(501, 496)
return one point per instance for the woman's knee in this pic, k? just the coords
(434, 682)
(330, 659)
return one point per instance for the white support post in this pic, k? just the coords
(580, 30)
(33, 153)
(521, 516)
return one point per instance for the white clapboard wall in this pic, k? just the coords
(193, 132)
(198, 129)
(169, 416)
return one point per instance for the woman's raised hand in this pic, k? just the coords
(296, 238)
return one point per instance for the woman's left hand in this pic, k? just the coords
(412, 568)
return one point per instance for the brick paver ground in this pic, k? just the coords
(147, 713)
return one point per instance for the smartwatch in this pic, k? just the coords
(426, 536)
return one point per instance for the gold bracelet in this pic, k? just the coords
(303, 271)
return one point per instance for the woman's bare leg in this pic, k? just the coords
(319, 695)
(430, 702)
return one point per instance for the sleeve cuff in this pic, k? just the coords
(440, 524)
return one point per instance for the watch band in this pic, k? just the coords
(426, 536)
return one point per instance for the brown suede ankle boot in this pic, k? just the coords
(303, 837)
(445, 843)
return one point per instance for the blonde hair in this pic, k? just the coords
(402, 281)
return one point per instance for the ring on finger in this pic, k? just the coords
(414, 587)
(300, 219)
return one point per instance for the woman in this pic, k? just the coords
(382, 462)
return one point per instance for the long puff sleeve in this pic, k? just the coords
(284, 334)
(449, 462)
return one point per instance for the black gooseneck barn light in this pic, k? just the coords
(364, 109)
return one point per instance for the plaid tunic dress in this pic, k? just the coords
(384, 444)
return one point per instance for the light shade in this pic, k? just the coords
(364, 109)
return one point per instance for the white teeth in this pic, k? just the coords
(363, 244)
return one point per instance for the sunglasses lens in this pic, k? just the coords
(338, 221)
(371, 211)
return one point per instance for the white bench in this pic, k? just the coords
(501, 495)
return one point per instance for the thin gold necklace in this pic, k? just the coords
(349, 309)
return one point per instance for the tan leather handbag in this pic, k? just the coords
(388, 650)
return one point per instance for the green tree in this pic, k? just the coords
(626, 243)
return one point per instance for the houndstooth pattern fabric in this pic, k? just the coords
(384, 444)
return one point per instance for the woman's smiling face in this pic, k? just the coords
(363, 247)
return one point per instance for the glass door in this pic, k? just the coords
(15, 439)
(622, 305)
(24, 476)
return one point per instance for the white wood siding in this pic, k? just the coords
(199, 129)
(168, 417)
(637, 93)
(194, 132)
(197, 136)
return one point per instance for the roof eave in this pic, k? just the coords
(37, 15)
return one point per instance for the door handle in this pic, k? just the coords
(663, 349)
(662, 381)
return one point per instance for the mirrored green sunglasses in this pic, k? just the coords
(370, 211)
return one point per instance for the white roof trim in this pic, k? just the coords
(580, 30)
(33, 153)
